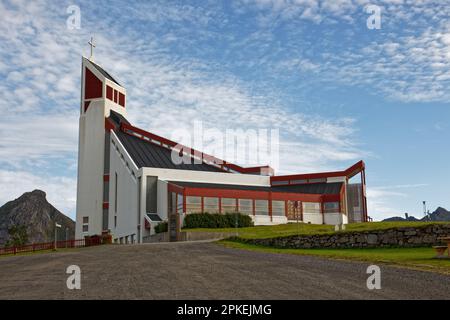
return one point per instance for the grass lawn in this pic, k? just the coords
(415, 258)
(264, 232)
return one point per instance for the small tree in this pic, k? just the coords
(17, 236)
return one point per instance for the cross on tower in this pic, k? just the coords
(91, 43)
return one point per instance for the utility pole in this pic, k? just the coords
(56, 234)
(424, 208)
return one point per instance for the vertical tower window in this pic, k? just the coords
(115, 193)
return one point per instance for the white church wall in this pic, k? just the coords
(162, 200)
(333, 218)
(314, 218)
(208, 177)
(91, 157)
(123, 205)
(90, 169)
(279, 219)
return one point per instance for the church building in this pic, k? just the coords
(128, 183)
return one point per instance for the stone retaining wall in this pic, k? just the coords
(396, 237)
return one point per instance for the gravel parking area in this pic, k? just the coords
(205, 271)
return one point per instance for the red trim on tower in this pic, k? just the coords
(109, 125)
(109, 93)
(93, 86)
(105, 205)
(121, 99)
(106, 177)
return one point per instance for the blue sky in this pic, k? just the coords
(337, 91)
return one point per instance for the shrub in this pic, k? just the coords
(208, 220)
(161, 227)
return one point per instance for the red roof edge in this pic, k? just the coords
(349, 172)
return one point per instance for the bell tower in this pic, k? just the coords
(100, 93)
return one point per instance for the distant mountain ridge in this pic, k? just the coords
(34, 211)
(440, 214)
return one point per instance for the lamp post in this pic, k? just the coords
(56, 233)
(424, 208)
(67, 235)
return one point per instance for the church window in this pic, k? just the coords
(228, 205)
(278, 208)
(311, 207)
(179, 203)
(85, 227)
(121, 99)
(261, 207)
(109, 93)
(246, 206)
(211, 205)
(193, 204)
(331, 207)
(115, 193)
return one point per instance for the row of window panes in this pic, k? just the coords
(245, 206)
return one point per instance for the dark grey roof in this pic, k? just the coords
(117, 118)
(154, 217)
(147, 154)
(104, 73)
(311, 188)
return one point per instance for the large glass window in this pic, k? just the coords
(278, 208)
(311, 207)
(261, 207)
(193, 204)
(246, 206)
(211, 205)
(179, 203)
(331, 207)
(228, 205)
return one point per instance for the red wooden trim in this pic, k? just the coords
(106, 177)
(93, 86)
(259, 195)
(350, 172)
(121, 99)
(105, 205)
(270, 206)
(109, 93)
(301, 211)
(330, 197)
(175, 188)
(322, 210)
(109, 125)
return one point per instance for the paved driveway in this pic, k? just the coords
(205, 271)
